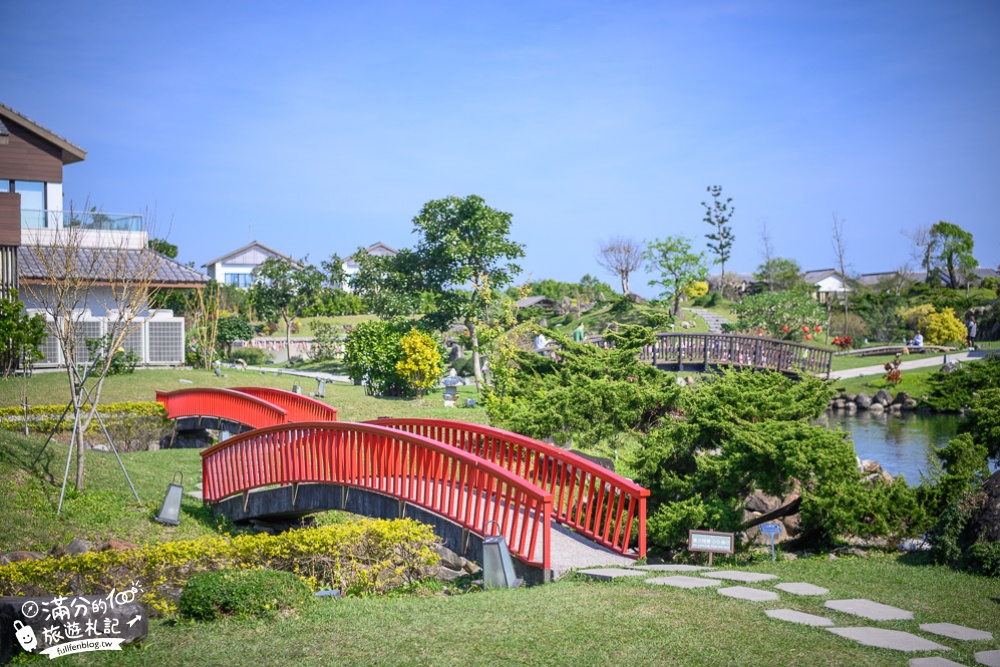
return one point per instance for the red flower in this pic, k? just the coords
(805, 329)
(809, 336)
(819, 328)
(784, 328)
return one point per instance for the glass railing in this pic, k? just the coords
(117, 222)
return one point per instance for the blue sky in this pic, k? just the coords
(316, 127)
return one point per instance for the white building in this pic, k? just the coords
(236, 268)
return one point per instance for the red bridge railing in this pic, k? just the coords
(588, 498)
(224, 403)
(438, 477)
(299, 408)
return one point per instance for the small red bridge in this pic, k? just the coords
(469, 481)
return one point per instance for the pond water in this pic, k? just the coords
(902, 443)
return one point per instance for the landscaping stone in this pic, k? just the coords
(934, 661)
(798, 617)
(882, 397)
(15, 556)
(735, 575)
(800, 588)
(896, 640)
(609, 573)
(874, 611)
(914, 544)
(901, 398)
(670, 567)
(745, 593)
(78, 546)
(683, 582)
(959, 632)
(876, 408)
(986, 519)
(988, 658)
(863, 401)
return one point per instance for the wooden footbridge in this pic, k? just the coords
(469, 481)
(702, 351)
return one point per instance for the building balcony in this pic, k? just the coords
(112, 222)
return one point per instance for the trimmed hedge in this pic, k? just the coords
(44, 417)
(242, 593)
(364, 557)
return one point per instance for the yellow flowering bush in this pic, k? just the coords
(944, 328)
(365, 557)
(421, 364)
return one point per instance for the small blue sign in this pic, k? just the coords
(770, 528)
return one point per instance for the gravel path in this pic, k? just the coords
(713, 321)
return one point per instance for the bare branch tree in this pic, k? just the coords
(621, 256)
(767, 252)
(925, 246)
(113, 274)
(840, 249)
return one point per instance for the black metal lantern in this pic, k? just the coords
(170, 510)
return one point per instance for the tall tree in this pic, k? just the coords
(780, 274)
(717, 215)
(163, 247)
(465, 252)
(954, 251)
(621, 256)
(281, 289)
(679, 267)
(388, 286)
(767, 254)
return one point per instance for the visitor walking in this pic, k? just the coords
(540, 344)
(578, 333)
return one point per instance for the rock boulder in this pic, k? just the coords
(986, 520)
(882, 397)
(863, 401)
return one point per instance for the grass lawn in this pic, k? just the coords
(107, 509)
(914, 383)
(354, 405)
(576, 622)
(857, 361)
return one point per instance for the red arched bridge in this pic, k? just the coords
(699, 351)
(555, 509)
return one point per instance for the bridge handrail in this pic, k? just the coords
(576, 484)
(424, 472)
(735, 349)
(300, 408)
(225, 403)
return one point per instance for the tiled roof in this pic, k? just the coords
(99, 265)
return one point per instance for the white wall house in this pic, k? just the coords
(37, 233)
(236, 268)
(827, 284)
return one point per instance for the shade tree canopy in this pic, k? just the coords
(679, 267)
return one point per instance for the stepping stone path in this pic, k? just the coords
(953, 631)
(988, 658)
(609, 573)
(736, 575)
(683, 582)
(874, 611)
(936, 661)
(744, 593)
(713, 321)
(669, 567)
(196, 494)
(797, 617)
(800, 588)
(894, 639)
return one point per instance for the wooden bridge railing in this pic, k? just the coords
(711, 349)
(224, 403)
(592, 500)
(463, 487)
(299, 408)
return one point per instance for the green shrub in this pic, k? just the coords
(984, 557)
(242, 594)
(365, 557)
(371, 351)
(984, 421)
(122, 419)
(252, 355)
(463, 366)
(953, 391)
(421, 364)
